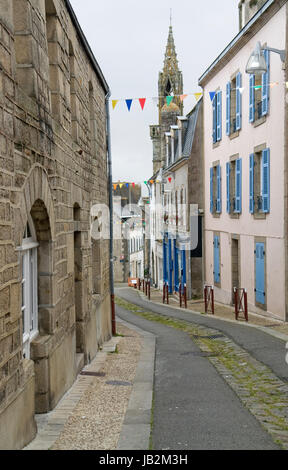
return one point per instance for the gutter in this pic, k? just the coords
(236, 39)
(86, 46)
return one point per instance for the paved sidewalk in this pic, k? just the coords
(100, 412)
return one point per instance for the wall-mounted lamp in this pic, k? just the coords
(257, 63)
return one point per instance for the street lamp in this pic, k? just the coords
(257, 63)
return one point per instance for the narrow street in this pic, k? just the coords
(195, 404)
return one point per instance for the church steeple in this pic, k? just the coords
(170, 79)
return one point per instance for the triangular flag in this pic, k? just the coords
(241, 90)
(129, 103)
(168, 100)
(197, 95)
(133, 184)
(145, 182)
(115, 186)
(121, 184)
(182, 97)
(142, 102)
(114, 102)
(127, 185)
(152, 181)
(170, 179)
(212, 94)
(257, 87)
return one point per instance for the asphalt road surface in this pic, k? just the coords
(194, 408)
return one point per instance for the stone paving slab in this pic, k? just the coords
(51, 424)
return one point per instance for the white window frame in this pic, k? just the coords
(29, 305)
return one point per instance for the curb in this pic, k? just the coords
(136, 428)
(265, 329)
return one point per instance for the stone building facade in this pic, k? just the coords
(54, 285)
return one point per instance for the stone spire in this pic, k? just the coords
(170, 79)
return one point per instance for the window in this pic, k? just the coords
(29, 306)
(217, 117)
(234, 105)
(234, 186)
(259, 182)
(259, 87)
(215, 190)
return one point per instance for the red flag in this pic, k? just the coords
(170, 179)
(142, 102)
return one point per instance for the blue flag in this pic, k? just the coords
(129, 103)
(212, 94)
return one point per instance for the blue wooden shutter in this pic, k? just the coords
(251, 183)
(165, 276)
(228, 110)
(176, 264)
(170, 266)
(211, 191)
(238, 101)
(260, 273)
(218, 199)
(238, 184)
(216, 260)
(228, 171)
(251, 98)
(219, 115)
(266, 84)
(266, 180)
(214, 119)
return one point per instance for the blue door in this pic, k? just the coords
(183, 267)
(170, 264)
(176, 265)
(260, 273)
(165, 271)
(216, 259)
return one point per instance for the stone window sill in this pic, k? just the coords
(216, 144)
(234, 135)
(259, 215)
(259, 121)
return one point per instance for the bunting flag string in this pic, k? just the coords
(133, 184)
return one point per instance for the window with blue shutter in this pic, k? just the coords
(211, 191)
(218, 198)
(170, 263)
(265, 180)
(238, 101)
(216, 259)
(214, 119)
(165, 271)
(251, 98)
(260, 273)
(219, 115)
(183, 267)
(238, 186)
(228, 171)
(266, 84)
(228, 109)
(251, 183)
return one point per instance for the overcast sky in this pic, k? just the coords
(128, 39)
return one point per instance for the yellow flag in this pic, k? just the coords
(182, 97)
(114, 102)
(197, 96)
(121, 184)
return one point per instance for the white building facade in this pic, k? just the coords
(245, 170)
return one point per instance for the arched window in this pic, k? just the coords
(29, 288)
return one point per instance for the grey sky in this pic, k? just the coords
(129, 39)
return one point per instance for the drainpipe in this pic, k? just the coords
(109, 162)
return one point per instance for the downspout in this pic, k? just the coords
(109, 162)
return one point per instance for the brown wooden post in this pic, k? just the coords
(245, 305)
(212, 299)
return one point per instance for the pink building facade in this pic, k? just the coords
(245, 169)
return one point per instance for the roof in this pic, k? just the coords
(255, 24)
(190, 133)
(86, 46)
